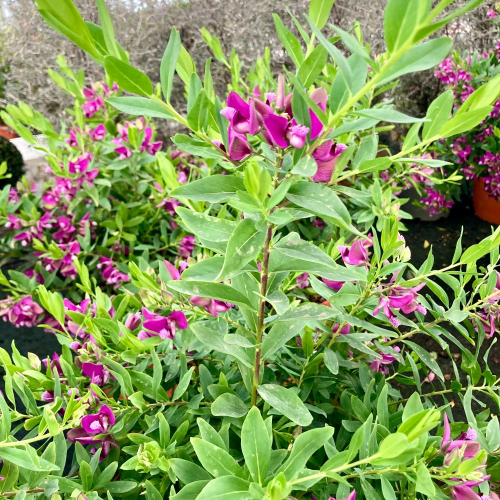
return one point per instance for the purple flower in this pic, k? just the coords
(186, 246)
(303, 280)
(492, 14)
(97, 373)
(65, 228)
(285, 133)
(111, 274)
(164, 327)
(100, 422)
(25, 312)
(93, 425)
(405, 299)
(326, 156)
(210, 305)
(98, 133)
(239, 146)
(378, 364)
(172, 270)
(133, 321)
(47, 396)
(334, 285)
(343, 331)
(356, 255)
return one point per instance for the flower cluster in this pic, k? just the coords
(275, 122)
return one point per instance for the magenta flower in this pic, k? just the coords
(343, 331)
(25, 312)
(334, 285)
(172, 270)
(326, 156)
(356, 255)
(164, 327)
(99, 423)
(492, 14)
(111, 274)
(239, 146)
(405, 299)
(133, 321)
(98, 374)
(186, 246)
(379, 364)
(65, 228)
(303, 280)
(92, 106)
(92, 425)
(210, 305)
(285, 133)
(47, 396)
(99, 133)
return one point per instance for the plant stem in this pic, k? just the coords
(262, 310)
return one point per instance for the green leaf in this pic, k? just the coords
(388, 115)
(426, 358)
(152, 493)
(190, 491)
(321, 200)
(229, 405)
(168, 63)
(313, 66)
(278, 336)
(127, 77)
(64, 17)
(225, 488)
(331, 361)
(107, 29)
(303, 449)
(306, 166)
(424, 481)
(438, 114)
(319, 12)
(286, 402)
(139, 106)
(215, 460)
(243, 246)
(256, 445)
(198, 114)
(183, 384)
(185, 66)
(28, 461)
(400, 22)
(279, 301)
(419, 58)
(464, 122)
(289, 41)
(217, 291)
(393, 445)
(216, 341)
(188, 472)
(213, 189)
(205, 226)
(197, 147)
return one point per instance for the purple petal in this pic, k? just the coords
(277, 127)
(358, 255)
(172, 270)
(238, 146)
(464, 493)
(236, 101)
(334, 285)
(106, 410)
(400, 301)
(320, 97)
(180, 319)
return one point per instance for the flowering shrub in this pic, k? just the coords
(475, 153)
(108, 187)
(272, 366)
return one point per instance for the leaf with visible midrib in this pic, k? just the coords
(243, 246)
(128, 77)
(286, 402)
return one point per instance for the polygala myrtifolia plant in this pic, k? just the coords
(103, 204)
(271, 367)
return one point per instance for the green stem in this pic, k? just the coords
(262, 311)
